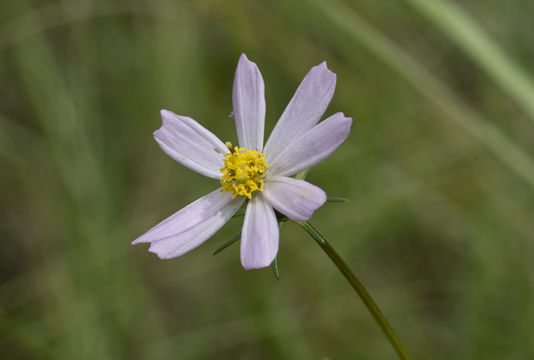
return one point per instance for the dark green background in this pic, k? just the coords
(439, 170)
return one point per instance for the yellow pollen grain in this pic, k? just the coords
(243, 171)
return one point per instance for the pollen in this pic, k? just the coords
(243, 171)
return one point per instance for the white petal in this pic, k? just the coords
(192, 225)
(259, 237)
(249, 104)
(189, 143)
(304, 110)
(312, 147)
(297, 199)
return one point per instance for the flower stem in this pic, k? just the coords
(360, 289)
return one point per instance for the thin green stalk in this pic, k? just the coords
(336, 199)
(359, 288)
(274, 266)
(228, 243)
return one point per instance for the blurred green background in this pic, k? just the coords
(439, 170)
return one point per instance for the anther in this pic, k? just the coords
(230, 146)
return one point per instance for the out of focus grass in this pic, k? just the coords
(438, 169)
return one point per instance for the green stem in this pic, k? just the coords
(360, 289)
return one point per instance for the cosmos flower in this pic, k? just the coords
(251, 172)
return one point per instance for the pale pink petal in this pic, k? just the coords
(192, 225)
(312, 147)
(297, 199)
(249, 104)
(304, 110)
(259, 237)
(189, 143)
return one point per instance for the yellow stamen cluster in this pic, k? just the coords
(243, 171)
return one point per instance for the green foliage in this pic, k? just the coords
(438, 169)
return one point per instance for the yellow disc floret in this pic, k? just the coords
(243, 171)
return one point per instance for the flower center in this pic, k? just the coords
(243, 171)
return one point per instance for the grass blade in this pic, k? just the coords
(472, 39)
(431, 87)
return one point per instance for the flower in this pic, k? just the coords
(251, 171)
